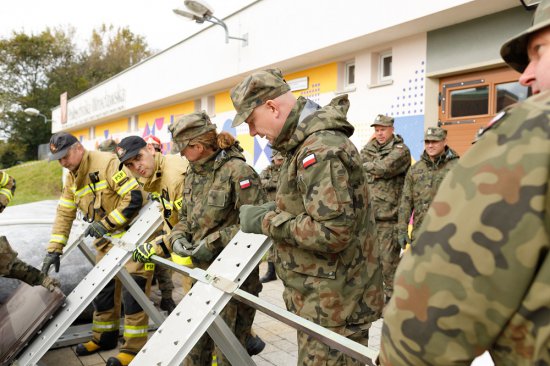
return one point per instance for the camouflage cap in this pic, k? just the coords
(382, 120)
(514, 51)
(187, 128)
(108, 145)
(255, 90)
(435, 134)
(60, 144)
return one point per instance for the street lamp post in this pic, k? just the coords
(35, 112)
(200, 12)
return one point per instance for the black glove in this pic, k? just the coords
(403, 240)
(49, 259)
(95, 229)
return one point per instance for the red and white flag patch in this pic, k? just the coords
(244, 183)
(309, 160)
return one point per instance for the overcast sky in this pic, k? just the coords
(152, 19)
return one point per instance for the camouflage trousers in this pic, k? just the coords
(312, 352)
(389, 250)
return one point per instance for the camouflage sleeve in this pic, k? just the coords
(329, 218)
(247, 190)
(7, 188)
(64, 217)
(405, 204)
(130, 192)
(395, 163)
(480, 263)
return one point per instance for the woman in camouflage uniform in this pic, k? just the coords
(217, 183)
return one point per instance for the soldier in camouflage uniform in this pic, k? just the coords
(386, 160)
(109, 197)
(217, 183)
(270, 179)
(422, 182)
(10, 265)
(108, 145)
(161, 176)
(321, 223)
(479, 276)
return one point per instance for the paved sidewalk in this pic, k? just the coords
(280, 339)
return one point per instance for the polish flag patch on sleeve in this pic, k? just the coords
(244, 183)
(309, 160)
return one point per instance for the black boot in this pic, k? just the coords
(254, 345)
(270, 274)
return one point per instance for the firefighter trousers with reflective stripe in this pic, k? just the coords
(107, 308)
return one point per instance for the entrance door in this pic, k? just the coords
(469, 101)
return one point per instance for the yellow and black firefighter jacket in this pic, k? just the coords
(102, 192)
(7, 188)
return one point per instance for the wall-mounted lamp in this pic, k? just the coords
(530, 4)
(35, 112)
(199, 11)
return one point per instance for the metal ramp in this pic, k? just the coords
(112, 264)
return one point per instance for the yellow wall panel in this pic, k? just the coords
(148, 119)
(223, 102)
(322, 79)
(81, 135)
(106, 130)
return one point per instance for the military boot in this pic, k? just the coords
(254, 345)
(122, 359)
(270, 274)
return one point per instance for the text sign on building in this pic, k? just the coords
(298, 84)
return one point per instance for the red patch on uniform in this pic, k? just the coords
(244, 184)
(309, 161)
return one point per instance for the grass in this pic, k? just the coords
(36, 181)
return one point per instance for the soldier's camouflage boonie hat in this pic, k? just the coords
(382, 120)
(187, 128)
(255, 90)
(514, 51)
(435, 134)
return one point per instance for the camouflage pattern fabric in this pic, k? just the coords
(386, 166)
(214, 189)
(479, 276)
(270, 178)
(7, 256)
(323, 227)
(421, 185)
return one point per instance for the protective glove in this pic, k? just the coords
(181, 246)
(50, 283)
(201, 253)
(49, 259)
(403, 240)
(143, 253)
(95, 229)
(251, 217)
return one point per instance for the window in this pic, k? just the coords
(470, 101)
(385, 66)
(510, 93)
(349, 77)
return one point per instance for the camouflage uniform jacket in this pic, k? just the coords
(270, 179)
(421, 185)
(114, 199)
(323, 227)
(386, 167)
(479, 276)
(166, 186)
(214, 189)
(7, 188)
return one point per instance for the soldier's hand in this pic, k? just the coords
(251, 217)
(50, 283)
(95, 229)
(182, 246)
(51, 258)
(403, 240)
(202, 253)
(143, 253)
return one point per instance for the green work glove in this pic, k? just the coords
(251, 217)
(403, 240)
(95, 229)
(51, 258)
(201, 253)
(143, 253)
(181, 246)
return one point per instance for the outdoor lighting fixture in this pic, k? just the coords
(530, 4)
(200, 11)
(35, 112)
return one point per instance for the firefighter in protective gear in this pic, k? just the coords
(7, 189)
(109, 198)
(161, 176)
